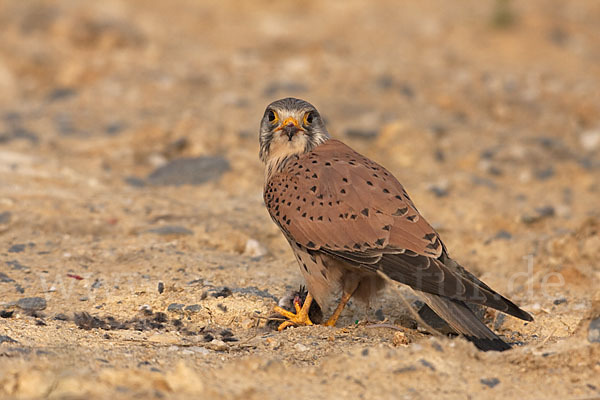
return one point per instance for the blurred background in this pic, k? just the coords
(129, 143)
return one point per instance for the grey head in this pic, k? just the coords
(290, 127)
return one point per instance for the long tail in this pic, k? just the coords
(460, 317)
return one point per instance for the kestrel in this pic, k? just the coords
(349, 221)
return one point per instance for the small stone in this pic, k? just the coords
(84, 298)
(61, 317)
(254, 249)
(5, 217)
(400, 339)
(161, 287)
(115, 128)
(135, 181)
(175, 307)
(502, 234)
(200, 350)
(541, 213)
(5, 278)
(590, 140)
(427, 364)
(379, 314)
(217, 345)
(384, 82)
(17, 248)
(440, 189)
(14, 264)
(594, 331)
(6, 313)
(562, 300)
(224, 292)
(61, 93)
(301, 347)
(490, 382)
(194, 308)
(545, 173)
(32, 304)
(546, 211)
(7, 339)
(97, 284)
(171, 230)
(222, 307)
(146, 309)
(189, 171)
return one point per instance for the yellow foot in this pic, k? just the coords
(300, 318)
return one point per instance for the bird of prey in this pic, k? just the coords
(351, 224)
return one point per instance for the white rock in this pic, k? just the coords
(253, 248)
(590, 140)
(300, 347)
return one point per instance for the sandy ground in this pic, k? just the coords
(150, 280)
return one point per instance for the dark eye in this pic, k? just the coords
(308, 118)
(271, 116)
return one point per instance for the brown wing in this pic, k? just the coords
(340, 202)
(337, 199)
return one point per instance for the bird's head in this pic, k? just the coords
(290, 127)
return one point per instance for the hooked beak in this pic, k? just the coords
(289, 127)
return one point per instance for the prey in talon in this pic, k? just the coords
(291, 304)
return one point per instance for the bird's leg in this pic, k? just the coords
(336, 314)
(301, 316)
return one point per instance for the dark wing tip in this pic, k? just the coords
(514, 310)
(484, 344)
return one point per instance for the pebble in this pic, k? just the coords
(427, 364)
(5, 278)
(544, 173)
(7, 339)
(171, 230)
(32, 304)
(97, 284)
(193, 308)
(115, 128)
(490, 382)
(16, 248)
(161, 287)
(189, 171)
(594, 331)
(223, 292)
(61, 317)
(135, 181)
(540, 213)
(6, 313)
(217, 345)
(175, 307)
(254, 249)
(61, 93)
(301, 347)
(400, 339)
(14, 264)
(253, 290)
(5, 217)
(440, 189)
(502, 234)
(590, 140)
